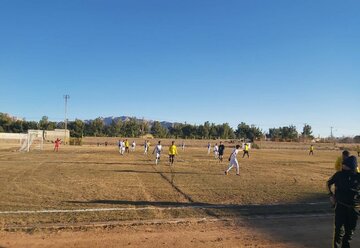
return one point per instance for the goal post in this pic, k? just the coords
(33, 140)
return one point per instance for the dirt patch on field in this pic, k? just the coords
(281, 232)
(78, 186)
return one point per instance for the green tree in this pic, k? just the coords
(274, 133)
(158, 131)
(357, 139)
(242, 130)
(45, 124)
(5, 122)
(97, 127)
(206, 130)
(289, 133)
(245, 131)
(17, 126)
(225, 131)
(131, 128)
(307, 132)
(76, 128)
(188, 131)
(144, 127)
(214, 132)
(176, 131)
(30, 125)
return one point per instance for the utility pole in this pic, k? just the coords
(331, 132)
(66, 97)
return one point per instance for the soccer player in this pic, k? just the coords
(157, 150)
(119, 145)
(311, 152)
(57, 144)
(172, 152)
(233, 161)
(127, 146)
(146, 148)
(133, 146)
(346, 201)
(246, 150)
(209, 148)
(339, 161)
(221, 151)
(183, 146)
(358, 150)
(216, 150)
(122, 147)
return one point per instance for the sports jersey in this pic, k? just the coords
(221, 149)
(172, 150)
(234, 154)
(216, 148)
(246, 147)
(158, 148)
(338, 165)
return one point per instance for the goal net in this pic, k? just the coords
(33, 140)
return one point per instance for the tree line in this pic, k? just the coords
(133, 127)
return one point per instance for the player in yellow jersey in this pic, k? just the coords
(172, 152)
(127, 145)
(246, 150)
(339, 160)
(311, 152)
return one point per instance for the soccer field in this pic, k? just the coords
(92, 184)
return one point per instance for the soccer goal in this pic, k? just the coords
(33, 140)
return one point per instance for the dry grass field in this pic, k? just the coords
(85, 186)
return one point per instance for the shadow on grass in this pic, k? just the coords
(314, 205)
(138, 162)
(305, 223)
(170, 172)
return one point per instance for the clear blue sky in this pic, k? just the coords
(268, 63)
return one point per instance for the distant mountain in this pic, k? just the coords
(108, 120)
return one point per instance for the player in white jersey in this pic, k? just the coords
(122, 147)
(119, 146)
(209, 148)
(157, 150)
(146, 147)
(133, 146)
(183, 145)
(216, 151)
(233, 161)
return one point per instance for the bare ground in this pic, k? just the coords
(280, 231)
(279, 200)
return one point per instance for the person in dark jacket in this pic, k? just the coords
(346, 201)
(221, 151)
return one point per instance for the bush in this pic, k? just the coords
(255, 146)
(75, 141)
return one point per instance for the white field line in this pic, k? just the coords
(163, 221)
(246, 207)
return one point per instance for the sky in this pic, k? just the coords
(270, 63)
